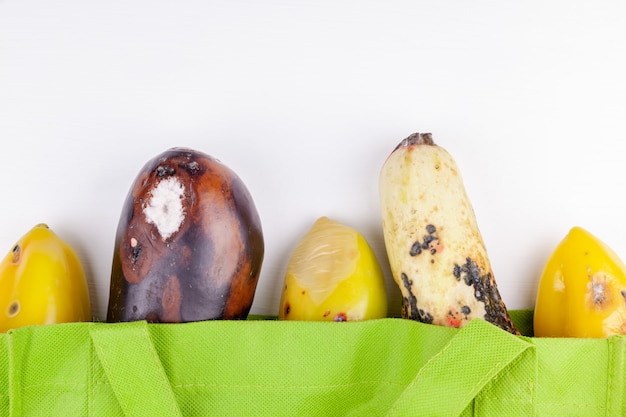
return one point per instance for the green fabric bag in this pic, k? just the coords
(387, 367)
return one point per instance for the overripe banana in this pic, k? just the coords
(436, 251)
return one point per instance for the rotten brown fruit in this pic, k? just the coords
(189, 244)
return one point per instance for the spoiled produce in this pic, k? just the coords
(582, 290)
(333, 275)
(43, 282)
(189, 244)
(436, 252)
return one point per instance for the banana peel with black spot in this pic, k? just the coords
(435, 249)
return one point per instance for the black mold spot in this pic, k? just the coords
(135, 253)
(457, 272)
(163, 171)
(425, 244)
(486, 292)
(409, 304)
(192, 167)
(416, 249)
(425, 317)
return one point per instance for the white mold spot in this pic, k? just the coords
(598, 289)
(165, 208)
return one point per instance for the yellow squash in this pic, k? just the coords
(582, 290)
(42, 282)
(333, 275)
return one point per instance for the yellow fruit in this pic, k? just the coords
(42, 282)
(436, 253)
(333, 275)
(582, 290)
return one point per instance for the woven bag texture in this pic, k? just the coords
(387, 367)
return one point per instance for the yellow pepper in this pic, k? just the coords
(42, 282)
(333, 275)
(582, 290)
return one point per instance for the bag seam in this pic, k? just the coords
(366, 382)
(154, 357)
(165, 382)
(441, 352)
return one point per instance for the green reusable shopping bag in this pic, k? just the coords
(387, 367)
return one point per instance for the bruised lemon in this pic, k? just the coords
(582, 290)
(42, 282)
(333, 275)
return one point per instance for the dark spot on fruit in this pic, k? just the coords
(13, 309)
(16, 254)
(457, 272)
(326, 313)
(341, 317)
(409, 304)
(135, 253)
(425, 317)
(454, 319)
(134, 309)
(429, 242)
(486, 292)
(303, 292)
(287, 309)
(192, 167)
(163, 171)
(466, 310)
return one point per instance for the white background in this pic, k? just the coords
(305, 100)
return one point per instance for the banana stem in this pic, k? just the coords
(417, 139)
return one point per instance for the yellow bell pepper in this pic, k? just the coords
(582, 290)
(333, 275)
(42, 282)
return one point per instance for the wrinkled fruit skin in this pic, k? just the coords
(42, 282)
(333, 275)
(189, 244)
